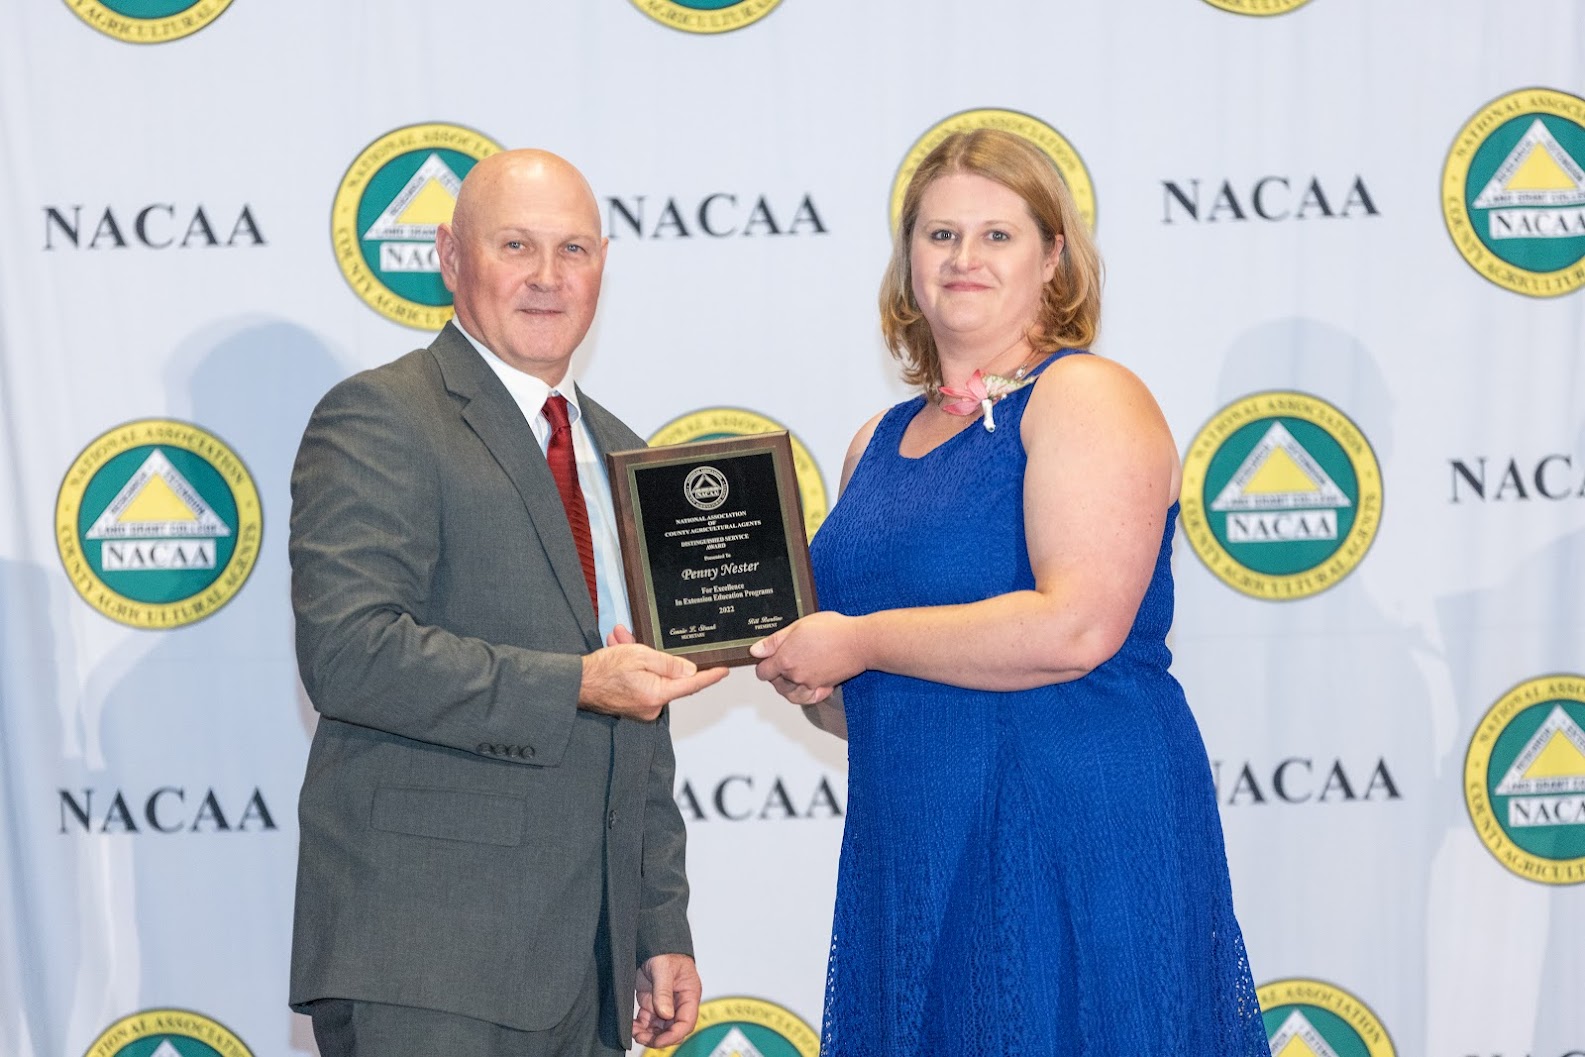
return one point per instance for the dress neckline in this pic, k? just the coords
(924, 403)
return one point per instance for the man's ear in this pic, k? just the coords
(446, 250)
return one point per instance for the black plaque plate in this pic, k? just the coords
(713, 544)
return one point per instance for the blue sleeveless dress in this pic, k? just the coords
(1031, 872)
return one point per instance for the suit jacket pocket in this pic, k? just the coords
(450, 814)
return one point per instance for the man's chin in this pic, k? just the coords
(531, 349)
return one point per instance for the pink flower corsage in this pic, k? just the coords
(980, 394)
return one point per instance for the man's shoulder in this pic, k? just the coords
(410, 369)
(401, 381)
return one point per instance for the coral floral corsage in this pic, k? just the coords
(981, 394)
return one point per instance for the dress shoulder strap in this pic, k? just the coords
(1054, 357)
(888, 431)
(895, 421)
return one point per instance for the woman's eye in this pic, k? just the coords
(999, 236)
(941, 235)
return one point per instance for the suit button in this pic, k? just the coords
(486, 748)
(528, 750)
(610, 820)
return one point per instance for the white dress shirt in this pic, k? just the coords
(530, 394)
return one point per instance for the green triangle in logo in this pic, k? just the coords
(157, 502)
(735, 1044)
(1551, 761)
(1298, 1038)
(1279, 474)
(1536, 172)
(424, 203)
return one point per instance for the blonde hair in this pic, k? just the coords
(1070, 304)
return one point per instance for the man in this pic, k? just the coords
(491, 861)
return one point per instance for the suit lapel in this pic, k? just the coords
(607, 430)
(494, 417)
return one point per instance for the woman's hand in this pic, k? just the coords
(807, 659)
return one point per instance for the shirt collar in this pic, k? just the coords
(529, 392)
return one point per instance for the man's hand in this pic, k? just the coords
(632, 680)
(668, 1000)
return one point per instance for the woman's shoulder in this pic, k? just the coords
(1090, 377)
(1097, 403)
(1084, 394)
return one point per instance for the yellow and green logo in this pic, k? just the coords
(745, 1027)
(1309, 1018)
(1281, 495)
(706, 16)
(1524, 779)
(1513, 192)
(158, 523)
(167, 1033)
(1258, 8)
(148, 21)
(719, 423)
(1049, 140)
(394, 195)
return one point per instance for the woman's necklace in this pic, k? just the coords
(982, 391)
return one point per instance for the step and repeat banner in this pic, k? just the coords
(1345, 243)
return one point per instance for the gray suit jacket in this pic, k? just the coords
(461, 818)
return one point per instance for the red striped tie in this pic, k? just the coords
(564, 467)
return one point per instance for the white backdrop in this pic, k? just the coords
(1347, 201)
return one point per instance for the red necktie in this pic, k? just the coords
(564, 467)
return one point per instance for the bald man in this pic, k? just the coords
(491, 861)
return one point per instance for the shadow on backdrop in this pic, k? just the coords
(1331, 680)
(215, 712)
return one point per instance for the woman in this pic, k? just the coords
(1033, 861)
